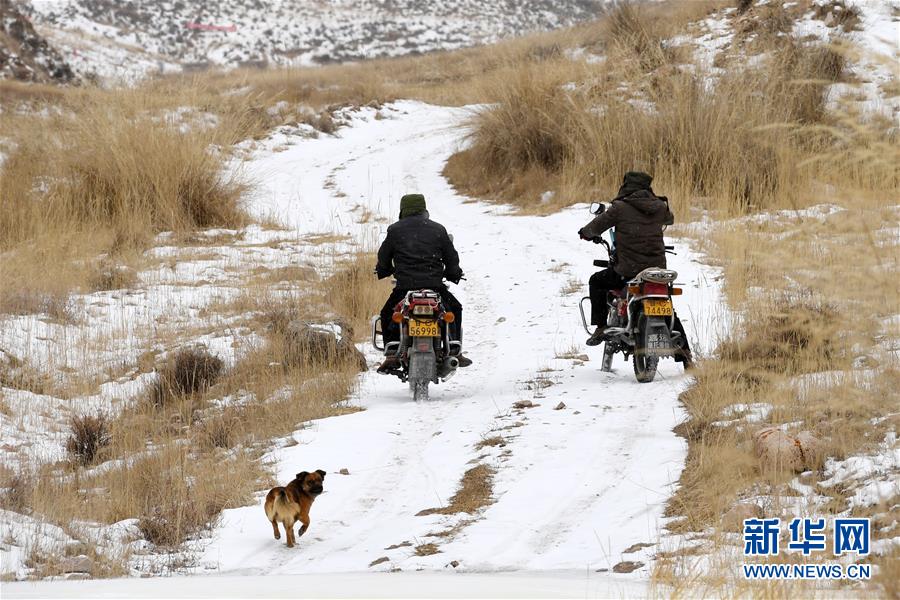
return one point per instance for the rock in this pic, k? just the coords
(343, 472)
(77, 564)
(308, 343)
(602, 571)
(524, 404)
(454, 563)
(378, 561)
(733, 520)
(812, 449)
(560, 406)
(627, 566)
(635, 547)
(779, 450)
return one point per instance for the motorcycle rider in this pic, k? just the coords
(638, 216)
(419, 253)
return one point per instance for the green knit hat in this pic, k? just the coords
(412, 204)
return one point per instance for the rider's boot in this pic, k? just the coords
(464, 361)
(391, 363)
(598, 337)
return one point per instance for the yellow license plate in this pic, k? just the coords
(424, 328)
(658, 308)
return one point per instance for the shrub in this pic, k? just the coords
(191, 371)
(90, 434)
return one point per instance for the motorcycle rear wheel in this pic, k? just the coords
(419, 389)
(644, 365)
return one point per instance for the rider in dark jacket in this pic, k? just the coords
(639, 216)
(419, 254)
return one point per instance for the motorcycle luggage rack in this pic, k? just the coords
(455, 347)
(655, 275)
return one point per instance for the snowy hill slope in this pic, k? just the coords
(124, 39)
(24, 54)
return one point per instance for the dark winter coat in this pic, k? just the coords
(638, 217)
(419, 253)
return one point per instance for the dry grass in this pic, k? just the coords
(474, 493)
(354, 292)
(744, 144)
(815, 352)
(90, 435)
(189, 372)
(427, 549)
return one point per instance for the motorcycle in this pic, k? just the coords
(640, 317)
(426, 352)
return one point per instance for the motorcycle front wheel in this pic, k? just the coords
(612, 320)
(644, 365)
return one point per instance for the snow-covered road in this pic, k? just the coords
(574, 488)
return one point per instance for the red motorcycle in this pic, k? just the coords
(426, 352)
(640, 318)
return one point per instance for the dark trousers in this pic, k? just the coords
(391, 331)
(603, 281)
(599, 284)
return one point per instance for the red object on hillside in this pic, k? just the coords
(205, 27)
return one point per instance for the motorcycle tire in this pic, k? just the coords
(644, 366)
(612, 320)
(419, 389)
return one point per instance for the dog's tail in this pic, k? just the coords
(275, 497)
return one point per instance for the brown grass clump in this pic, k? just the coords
(110, 276)
(792, 336)
(90, 435)
(474, 493)
(17, 489)
(189, 372)
(426, 549)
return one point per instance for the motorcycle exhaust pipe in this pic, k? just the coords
(449, 368)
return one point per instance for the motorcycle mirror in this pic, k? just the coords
(597, 208)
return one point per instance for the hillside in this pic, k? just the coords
(128, 39)
(24, 54)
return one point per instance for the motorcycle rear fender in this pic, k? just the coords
(422, 363)
(659, 337)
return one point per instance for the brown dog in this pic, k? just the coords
(291, 503)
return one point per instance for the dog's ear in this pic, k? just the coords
(321, 473)
(302, 475)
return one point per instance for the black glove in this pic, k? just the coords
(581, 234)
(455, 277)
